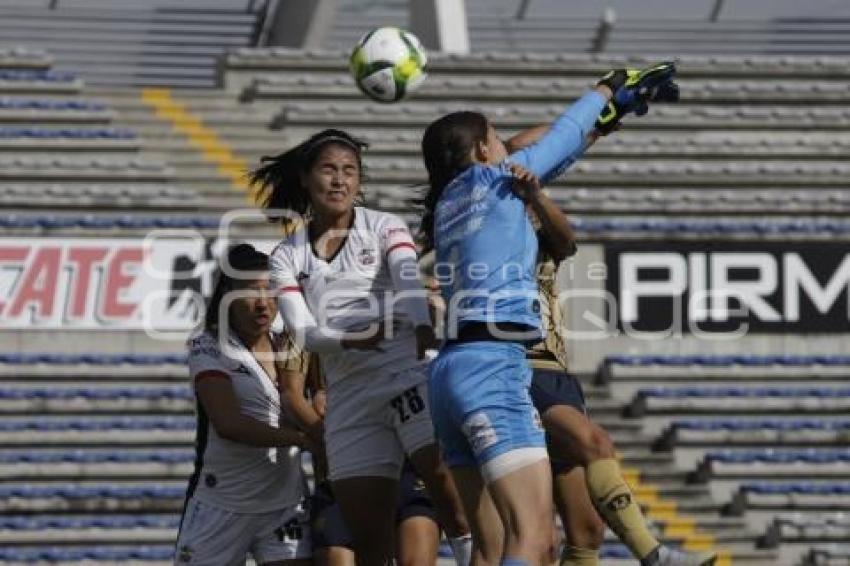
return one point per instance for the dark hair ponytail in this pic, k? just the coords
(278, 178)
(446, 149)
(239, 258)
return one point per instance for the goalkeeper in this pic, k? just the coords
(586, 476)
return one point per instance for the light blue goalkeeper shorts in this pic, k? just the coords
(481, 408)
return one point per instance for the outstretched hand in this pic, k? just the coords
(633, 90)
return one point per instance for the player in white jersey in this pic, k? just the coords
(245, 495)
(350, 292)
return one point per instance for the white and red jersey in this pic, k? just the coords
(372, 277)
(228, 474)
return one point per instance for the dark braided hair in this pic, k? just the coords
(446, 149)
(278, 178)
(240, 258)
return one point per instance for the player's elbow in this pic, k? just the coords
(228, 429)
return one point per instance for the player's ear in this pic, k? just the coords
(481, 152)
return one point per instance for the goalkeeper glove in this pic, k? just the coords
(633, 91)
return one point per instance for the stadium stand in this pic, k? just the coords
(739, 452)
(542, 26)
(141, 43)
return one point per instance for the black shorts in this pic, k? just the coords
(329, 528)
(550, 387)
(413, 498)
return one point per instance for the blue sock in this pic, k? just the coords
(506, 561)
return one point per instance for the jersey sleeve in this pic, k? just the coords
(298, 319)
(205, 356)
(400, 253)
(283, 270)
(565, 138)
(393, 235)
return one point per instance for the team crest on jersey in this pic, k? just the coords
(366, 256)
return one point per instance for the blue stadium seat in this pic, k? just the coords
(783, 392)
(30, 523)
(747, 360)
(93, 359)
(45, 76)
(801, 488)
(71, 491)
(107, 554)
(587, 226)
(67, 133)
(168, 392)
(775, 424)
(725, 227)
(810, 456)
(47, 104)
(96, 456)
(88, 424)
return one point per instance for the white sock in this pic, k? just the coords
(462, 549)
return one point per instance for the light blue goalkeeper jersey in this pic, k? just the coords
(486, 247)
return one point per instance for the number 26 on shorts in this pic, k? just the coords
(409, 403)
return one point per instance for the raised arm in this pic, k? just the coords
(527, 137)
(565, 137)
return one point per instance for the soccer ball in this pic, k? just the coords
(388, 64)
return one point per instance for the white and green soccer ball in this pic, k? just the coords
(388, 64)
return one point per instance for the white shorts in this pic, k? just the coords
(211, 536)
(368, 433)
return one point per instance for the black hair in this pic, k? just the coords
(446, 149)
(239, 258)
(278, 178)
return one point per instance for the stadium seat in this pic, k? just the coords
(831, 360)
(803, 527)
(96, 456)
(75, 491)
(780, 456)
(106, 222)
(800, 401)
(66, 133)
(140, 423)
(92, 359)
(511, 62)
(96, 393)
(97, 554)
(37, 523)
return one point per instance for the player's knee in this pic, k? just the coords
(535, 536)
(595, 444)
(588, 532)
(603, 443)
(543, 540)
